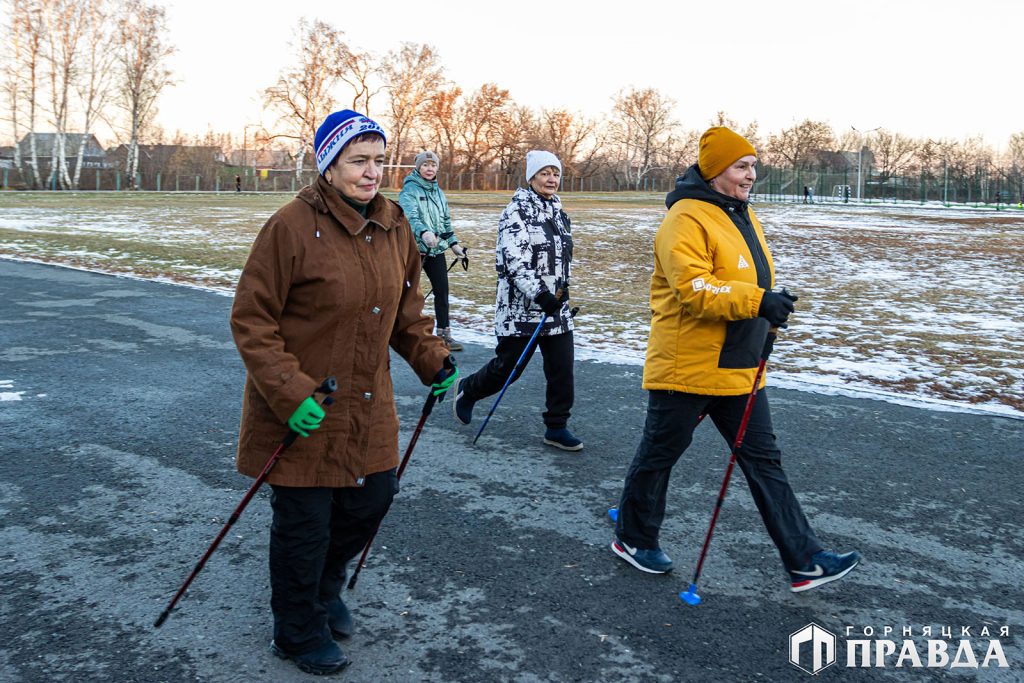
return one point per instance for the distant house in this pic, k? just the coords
(171, 159)
(7, 157)
(263, 159)
(94, 156)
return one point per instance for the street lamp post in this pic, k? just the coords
(860, 155)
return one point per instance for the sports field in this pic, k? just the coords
(906, 301)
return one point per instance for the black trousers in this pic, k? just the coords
(315, 532)
(436, 269)
(558, 353)
(668, 431)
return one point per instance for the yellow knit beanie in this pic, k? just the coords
(719, 148)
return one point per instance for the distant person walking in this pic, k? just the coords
(712, 307)
(238, 183)
(534, 259)
(332, 281)
(426, 207)
(807, 194)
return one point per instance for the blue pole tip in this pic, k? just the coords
(614, 514)
(689, 596)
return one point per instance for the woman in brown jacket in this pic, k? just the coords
(331, 283)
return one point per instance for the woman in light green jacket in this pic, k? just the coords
(426, 207)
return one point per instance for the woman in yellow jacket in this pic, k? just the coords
(712, 307)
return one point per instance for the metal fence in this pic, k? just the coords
(774, 184)
(980, 188)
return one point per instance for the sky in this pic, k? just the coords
(926, 69)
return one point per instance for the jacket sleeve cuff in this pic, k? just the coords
(755, 302)
(291, 394)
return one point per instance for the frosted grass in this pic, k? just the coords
(900, 301)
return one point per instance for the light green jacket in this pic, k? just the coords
(426, 207)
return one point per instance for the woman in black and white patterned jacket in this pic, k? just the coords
(534, 263)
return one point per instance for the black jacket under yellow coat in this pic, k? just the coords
(711, 268)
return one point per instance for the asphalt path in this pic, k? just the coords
(118, 431)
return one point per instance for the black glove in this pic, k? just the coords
(775, 308)
(565, 294)
(445, 378)
(548, 303)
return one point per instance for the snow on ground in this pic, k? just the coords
(900, 302)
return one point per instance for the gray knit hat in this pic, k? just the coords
(425, 156)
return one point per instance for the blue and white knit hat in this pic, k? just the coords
(338, 130)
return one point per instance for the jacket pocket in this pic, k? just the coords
(744, 340)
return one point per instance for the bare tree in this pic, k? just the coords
(413, 75)
(798, 146)
(302, 96)
(358, 69)
(95, 86)
(441, 124)
(642, 129)
(64, 27)
(1015, 163)
(513, 131)
(574, 140)
(141, 54)
(893, 153)
(481, 122)
(22, 74)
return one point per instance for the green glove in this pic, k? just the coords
(446, 377)
(306, 417)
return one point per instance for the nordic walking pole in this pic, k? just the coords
(689, 596)
(526, 351)
(526, 354)
(321, 396)
(427, 407)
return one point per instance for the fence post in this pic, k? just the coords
(158, 182)
(216, 183)
(117, 181)
(97, 180)
(255, 182)
(177, 183)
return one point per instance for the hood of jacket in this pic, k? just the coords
(691, 185)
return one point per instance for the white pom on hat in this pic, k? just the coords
(538, 159)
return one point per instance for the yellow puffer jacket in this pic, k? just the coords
(711, 268)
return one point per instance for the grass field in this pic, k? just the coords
(925, 302)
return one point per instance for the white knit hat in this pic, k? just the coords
(538, 159)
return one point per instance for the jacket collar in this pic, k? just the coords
(325, 199)
(416, 179)
(691, 185)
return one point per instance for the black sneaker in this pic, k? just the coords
(327, 659)
(650, 560)
(462, 407)
(824, 567)
(339, 619)
(562, 438)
